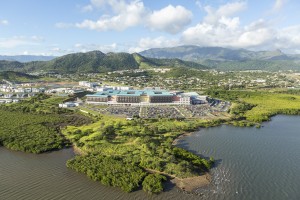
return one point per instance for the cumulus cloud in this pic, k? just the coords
(87, 8)
(225, 11)
(91, 47)
(125, 14)
(170, 19)
(17, 41)
(158, 42)
(100, 3)
(3, 22)
(129, 15)
(221, 27)
(289, 38)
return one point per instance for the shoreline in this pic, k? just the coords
(191, 184)
(175, 142)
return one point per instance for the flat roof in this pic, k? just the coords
(131, 93)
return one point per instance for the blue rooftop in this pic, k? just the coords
(131, 93)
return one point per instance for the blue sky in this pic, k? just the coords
(58, 27)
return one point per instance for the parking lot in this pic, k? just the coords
(174, 112)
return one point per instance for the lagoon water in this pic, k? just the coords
(251, 164)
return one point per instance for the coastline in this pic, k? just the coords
(77, 150)
(175, 142)
(190, 184)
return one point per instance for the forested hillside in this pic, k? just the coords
(95, 61)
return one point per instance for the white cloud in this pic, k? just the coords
(3, 22)
(129, 15)
(87, 8)
(220, 27)
(91, 47)
(158, 42)
(226, 11)
(99, 3)
(289, 38)
(170, 19)
(17, 41)
(125, 14)
(279, 4)
(56, 49)
(63, 25)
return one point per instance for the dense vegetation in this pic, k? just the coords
(28, 132)
(259, 106)
(95, 61)
(153, 183)
(146, 63)
(140, 144)
(110, 171)
(114, 151)
(16, 76)
(34, 125)
(11, 65)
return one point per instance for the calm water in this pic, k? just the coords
(252, 164)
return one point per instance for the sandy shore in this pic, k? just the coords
(192, 183)
(175, 142)
(187, 184)
(78, 151)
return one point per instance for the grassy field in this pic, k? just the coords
(260, 106)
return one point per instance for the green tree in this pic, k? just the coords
(153, 183)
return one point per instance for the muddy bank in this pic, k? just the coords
(192, 183)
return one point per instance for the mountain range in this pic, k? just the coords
(95, 61)
(228, 59)
(219, 58)
(26, 58)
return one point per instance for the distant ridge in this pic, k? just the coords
(228, 59)
(26, 58)
(196, 53)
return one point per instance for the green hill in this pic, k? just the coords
(16, 76)
(145, 62)
(95, 61)
(10, 65)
